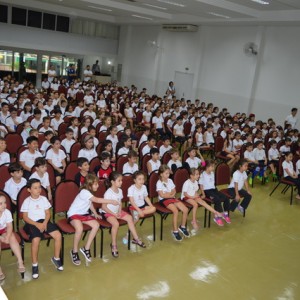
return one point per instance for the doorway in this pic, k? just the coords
(184, 85)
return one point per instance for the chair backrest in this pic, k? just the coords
(71, 171)
(13, 142)
(180, 176)
(62, 128)
(127, 182)
(187, 128)
(166, 158)
(153, 178)
(242, 151)
(121, 161)
(219, 143)
(74, 151)
(51, 174)
(95, 162)
(65, 193)
(280, 168)
(185, 156)
(41, 139)
(4, 175)
(22, 195)
(222, 174)
(102, 136)
(100, 192)
(145, 159)
(141, 148)
(8, 199)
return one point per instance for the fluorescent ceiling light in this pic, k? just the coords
(96, 7)
(171, 3)
(141, 17)
(219, 15)
(263, 2)
(155, 6)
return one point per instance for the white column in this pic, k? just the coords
(39, 63)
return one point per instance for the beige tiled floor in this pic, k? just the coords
(253, 258)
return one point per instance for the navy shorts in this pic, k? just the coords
(34, 232)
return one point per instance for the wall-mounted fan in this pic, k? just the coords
(251, 49)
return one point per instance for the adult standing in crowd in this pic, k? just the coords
(51, 73)
(87, 73)
(71, 73)
(96, 68)
(171, 90)
(292, 119)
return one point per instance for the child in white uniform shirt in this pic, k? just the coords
(124, 145)
(273, 156)
(193, 161)
(165, 147)
(140, 204)
(113, 213)
(36, 214)
(7, 236)
(261, 160)
(78, 214)
(235, 188)
(166, 196)
(154, 163)
(131, 166)
(88, 151)
(4, 156)
(68, 142)
(289, 172)
(191, 195)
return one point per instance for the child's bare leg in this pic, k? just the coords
(15, 247)
(57, 242)
(114, 229)
(174, 210)
(194, 211)
(95, 227)
(78, 233)
(208, 207)
(185, 212)
(129, 220)
(35, 249)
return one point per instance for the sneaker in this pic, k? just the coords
(226, 218)
(75, 258)
(35, 272)
(250, 180)
(240, 209)
(218, 221)
(57, 263)
(177, 236)
(184, 231)
(86, 253)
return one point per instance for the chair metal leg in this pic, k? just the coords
(275, 188)
(205, 217)
(154, 229)
(129, 239)
(101, 242)
(209, 218)
(292, 192)
(95, 246)
(48, 242)
(142, 221)
(84, 235)
(161, 227)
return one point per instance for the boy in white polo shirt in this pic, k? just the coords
(14, 184)
(36, 214)
(4, 156)
(27, 157)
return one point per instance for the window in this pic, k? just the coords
(3, 13)
(62, 24)
(5, 60)
(19, 16)
(49, 21)
(34, 19)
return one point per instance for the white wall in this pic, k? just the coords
(267, 85)
(47, 40)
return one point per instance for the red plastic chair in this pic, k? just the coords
(4, 175)
(13, 142)
(71, 171)
(74, 151)
(121, 161)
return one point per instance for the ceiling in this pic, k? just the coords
(174, 11)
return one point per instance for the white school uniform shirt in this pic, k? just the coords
(284, 148)
(88, 75)
(190, 188)
(143, 139)
(123, 151)
(129, 112)
(163, 150)
(215, 127)
(12, 188)
(249, 155)
(81, 204)
(101, 103)
(4, 158)
(259, 154)
(10, 123)
(29, 158)
(289, 166)
(238, 178)
(56, 158)
(223, 134)
(24, 116)
(199, 139)
(50, 79)
(273, 154)
(83, 130)
(171, 162)
(114, 140)
(138, 195)
(146, 150)
(35, 207)
(35, 123)
(45, 146)
(44, 180)
(154, 165)
(78, 111)
(210, 138)
(165, 187)
(158, 121)
(147, 116)
(88, 154)
(298, 167)
(43, 129)
(88, 99)
(67, 144)
(25, 135)
(5, 219)
(207, 180)
(55, 123)
(75, 130)
(111, 195)
(291, 120)
(237, 143)
(120, 128)
(4, 117)
(129, 169)
(178, 130)
(91, 114)
(103, 128)
(193, 163)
